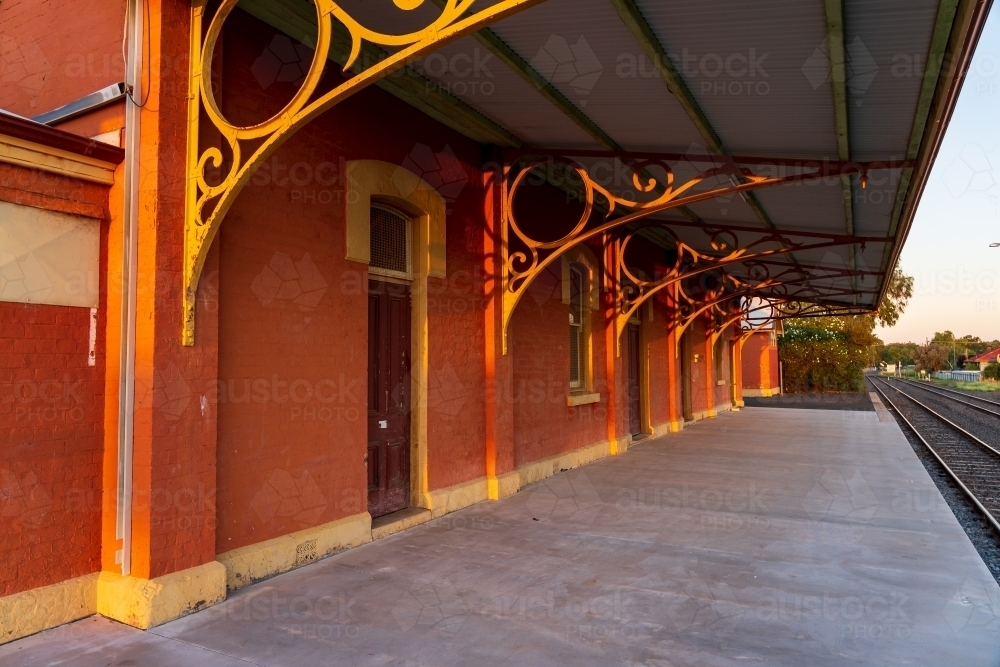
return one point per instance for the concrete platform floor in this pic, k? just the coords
(769, 536)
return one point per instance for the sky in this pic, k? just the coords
(956, 273)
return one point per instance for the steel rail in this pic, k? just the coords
(951, 473)
(940, 392)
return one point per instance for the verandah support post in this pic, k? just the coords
(611, 340)
(709, 374)
(675, 424)
(499, 410)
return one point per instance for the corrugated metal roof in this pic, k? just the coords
(759, 71)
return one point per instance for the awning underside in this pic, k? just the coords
(798, 79)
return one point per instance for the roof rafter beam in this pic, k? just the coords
(709, 158)
(650, 43)
(941, 47)
(837, 56)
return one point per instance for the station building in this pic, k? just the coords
(291, 277)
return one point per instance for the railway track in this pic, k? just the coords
(975, 402)
(972, 464)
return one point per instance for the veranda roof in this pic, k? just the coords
(833, 80)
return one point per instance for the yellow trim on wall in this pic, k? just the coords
(390, 183)
(55, 161)
(370, 180)
(452, 498)
(529, 473)
(28, 612)
(250, 564)
(765, 393)
(712, 412)
(146, 603)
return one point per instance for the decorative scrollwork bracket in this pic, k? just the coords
(525, 257)
(245, 148)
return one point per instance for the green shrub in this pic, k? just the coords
(992, 371)
(821, 359)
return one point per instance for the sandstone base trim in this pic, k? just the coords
(31, 611)
(714, 412)
(399, 521)
(146, 603)
(763, 393)
(452, 498)
(504, 485)
(539, 470)
(666, 428)
(255, 562)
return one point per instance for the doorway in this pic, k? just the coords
(686, 406)
(634, 348)
(388, 456)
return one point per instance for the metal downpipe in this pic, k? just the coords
(130, 251)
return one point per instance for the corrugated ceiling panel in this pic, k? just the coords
(776, 106)
(470, 72)
(887, 44)
(580, 46)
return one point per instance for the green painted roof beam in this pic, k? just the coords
(941, 45)
(650, 43)
(837, 56)
(523, 68)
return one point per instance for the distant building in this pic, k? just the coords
(987, 357)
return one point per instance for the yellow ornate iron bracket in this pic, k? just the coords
(525, 257)
(206, 204)
(633, 289)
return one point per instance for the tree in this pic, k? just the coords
(831, 353)
(899, 353)
(897, 296)
(992, 371)
(931, 357)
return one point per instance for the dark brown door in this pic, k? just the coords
(634, 360)
(686, 405)
(388, 397)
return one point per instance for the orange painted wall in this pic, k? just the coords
(658, 348)
(538, 339)
(51, 421)
(57, 52)
(760, 362)
(175, 422)
(276, 332)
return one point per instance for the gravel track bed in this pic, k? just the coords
(980, 532)
(988, 395)
(983, 426)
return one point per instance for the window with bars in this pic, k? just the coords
(577, 331)
(391, 241)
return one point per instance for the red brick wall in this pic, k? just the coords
(758, 352)
(538, 339)
(175, 423)
(311, 449)
(657, 340)
(51, 442)
(57, 52)
(30, 187)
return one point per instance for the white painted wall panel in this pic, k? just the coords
(48, 257)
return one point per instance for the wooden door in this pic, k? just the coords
(634, 396)
(388, 397)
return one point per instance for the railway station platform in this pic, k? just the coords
(767, 536)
